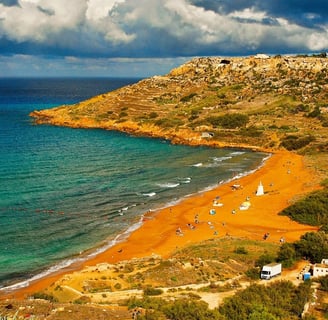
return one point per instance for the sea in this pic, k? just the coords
(68, 194)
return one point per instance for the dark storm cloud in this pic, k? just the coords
(9, 2)
(161, 28)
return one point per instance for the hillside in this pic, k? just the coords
(256, 102)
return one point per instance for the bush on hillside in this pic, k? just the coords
(150, 291)
(251, 131)
(229, 121)
(188, 97)
(287, 255)
(323, 283)
(169, 123)
(312, 210)
(313, 246)
(265, 258)
(294, 142)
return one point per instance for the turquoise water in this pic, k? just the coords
(64, 191)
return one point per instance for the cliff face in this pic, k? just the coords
(259, 102)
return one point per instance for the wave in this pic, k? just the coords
(237, 153)
(220, 159)
(199, 164)
(121, 211)
(150, 194)
(185, 180)
(168, 185)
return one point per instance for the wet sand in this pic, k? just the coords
(283, 177)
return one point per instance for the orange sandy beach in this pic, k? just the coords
(283, 177)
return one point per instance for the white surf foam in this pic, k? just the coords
(199, 164)
(168, 185)
(237, 153)
(150, 194)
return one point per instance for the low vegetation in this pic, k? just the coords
(229, 121)
(312, 210)
(279, 300)
(292, 142)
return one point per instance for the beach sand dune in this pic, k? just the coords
(283, 177)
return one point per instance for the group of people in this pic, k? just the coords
(266, 235)
(179, 232)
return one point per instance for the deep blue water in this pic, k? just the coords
(64, 191)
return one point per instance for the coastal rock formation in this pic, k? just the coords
(257, 102)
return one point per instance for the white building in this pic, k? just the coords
(261, 56)
(320, 269)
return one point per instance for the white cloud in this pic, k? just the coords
(196, 19)
(318, 42)
(249, 14)
(36, 20)
(98, 9)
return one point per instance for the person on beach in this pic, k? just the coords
(196, 218)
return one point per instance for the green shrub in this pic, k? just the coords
(265, 258)
(287, 255)
(229, 121)
(253, 273)
(169, 123)
(123, 114)
(323, 283)
(190, 310)
(153, 115)
(251, 131)
(150, 291)
(294, 143)
(240, 250)
(315, 113)
(313, 246)
(44, 296)
(118, 286)
(82, 300)
(188, 97)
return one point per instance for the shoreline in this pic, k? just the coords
(68, 263)
(156, 235)
(71, 262)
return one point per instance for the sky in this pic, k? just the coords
(142, 38)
